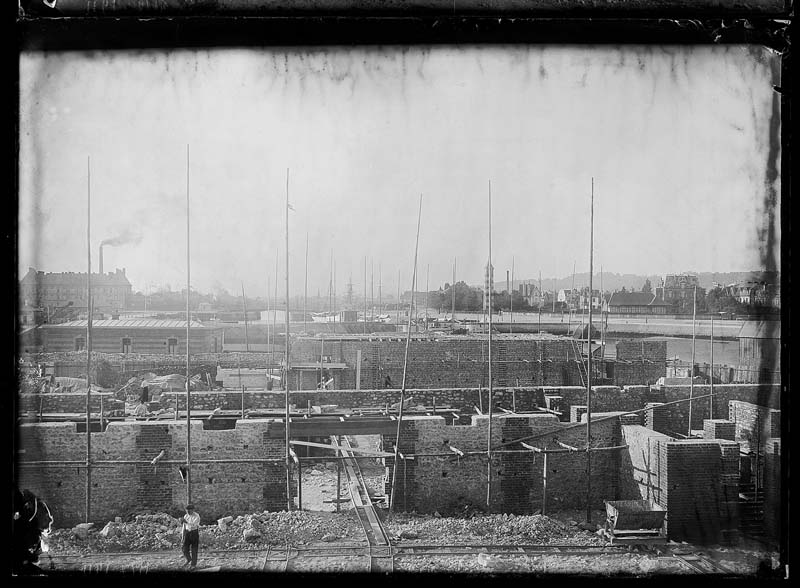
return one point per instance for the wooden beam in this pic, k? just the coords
(338, 447)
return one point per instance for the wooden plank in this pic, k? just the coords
(310, 428)
(338, 447)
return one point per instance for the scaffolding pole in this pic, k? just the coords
(188, 374)
(405, 365)
(489, 433)
(286, 346)
(88, 508)
(589, 368)
(691, 367)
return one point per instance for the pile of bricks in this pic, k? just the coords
(729, 491)
(719, 429)
(655, 418)
(691, 490)
(773, 510)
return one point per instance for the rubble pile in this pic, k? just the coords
(489, 529)
(160, 531)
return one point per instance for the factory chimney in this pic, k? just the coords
(101, 260)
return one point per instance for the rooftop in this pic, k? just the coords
(635, 299)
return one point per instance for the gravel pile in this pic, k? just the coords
(488, 529)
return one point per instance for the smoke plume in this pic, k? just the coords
(128, 236)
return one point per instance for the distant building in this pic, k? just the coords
(133, 336)
(636, 303)
(679, 287)
(583, 299)
(63, 295)
(531, 294)
(759, 352)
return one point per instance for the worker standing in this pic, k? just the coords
(191, 536)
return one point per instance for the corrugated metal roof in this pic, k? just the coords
(761, 330)
(131, 324)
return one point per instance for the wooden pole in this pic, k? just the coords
(711, 400)
(365, 294)
(397, 309)
(544, 485)
(188, 373)
(270, 347)
(88, 506)
(691, 368)
(405, 364)
(541, 300)
(427, 292)
(305, 289)
(589, 369)
(491, 392)
(286, 361)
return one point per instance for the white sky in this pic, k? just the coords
(676, 139)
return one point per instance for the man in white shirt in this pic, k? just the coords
(191, 535)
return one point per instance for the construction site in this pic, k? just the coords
(404, 452)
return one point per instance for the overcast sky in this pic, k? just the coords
(677, 140)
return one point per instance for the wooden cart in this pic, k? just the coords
(634, 522)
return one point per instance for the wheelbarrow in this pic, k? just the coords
(634, 521)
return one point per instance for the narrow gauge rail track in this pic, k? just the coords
(701, 564)
(379, 546)
(346, 558)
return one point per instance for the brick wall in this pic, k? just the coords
(445, 363)
(639, 471)
(640, 361)
(677, 415)
(754, 422)
(719, 429)
(447, 483)
(218, 489)
(689, 475)
(773, 509)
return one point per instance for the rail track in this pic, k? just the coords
(699, 563)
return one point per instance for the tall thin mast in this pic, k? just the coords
(305, 289)
(380, 290)
(286, 361)
(335, 312)
(271, 347)
(397, 308)
(188, 373)
(569, 301)
(371, 289)
(88, 338)
(589, 370)
(275, 304)
(691, 368)
(491, 392)
(365, 294)
(405, 362)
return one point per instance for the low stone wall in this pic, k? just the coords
(124, 479)
(439, 480)
(68, 402)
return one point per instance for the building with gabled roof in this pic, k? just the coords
(636, 303)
